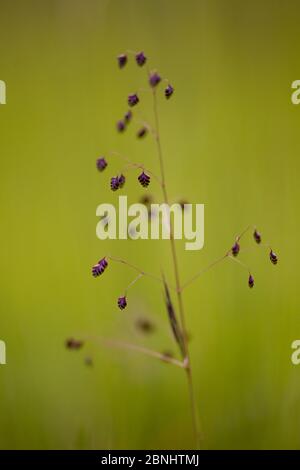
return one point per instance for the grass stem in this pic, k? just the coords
(187, 360)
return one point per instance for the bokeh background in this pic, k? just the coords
(230, 137)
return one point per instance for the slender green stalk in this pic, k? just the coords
(136, 347)
(188, 367)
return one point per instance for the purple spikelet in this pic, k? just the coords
(114, 183)
(154, 79)
(140, 59)
(133, 99)
(169, 91)
(122, 60)
(235, 249)
(257, 236)
(99, 268)
(120, 126)
(101, 163)
(128, 117)
(144, 179)
(251, 281)
(273, 257)
(122, 180)
(141, 132)
(72, 343)
(122, 303)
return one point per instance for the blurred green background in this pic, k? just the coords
(230, 137)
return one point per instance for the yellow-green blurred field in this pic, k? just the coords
(231, 141)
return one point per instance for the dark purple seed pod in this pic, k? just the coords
(128, 116)
(141, 132)
(251, 281)
(273, 257)
(154, 79)
(146, 199)
(101, 163)
(88, 361)
(167, 355)
(99, 268)
(96, 270)
(114, 183)
(72, 343)
(257, 236)
(140, 59)
(122, 180)
(144, 325)
(169, 91)
(120, 126)
(144, 179)
(122, 303)
(235, 249)
(103, 263)
(122, 60)
(133, 99)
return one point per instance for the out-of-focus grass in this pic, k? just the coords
(230, 137)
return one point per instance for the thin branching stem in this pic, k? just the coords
(243, 265)
(227, 255)
(243, 233)
(137, 278)
(187, 360)
(251, 249)
(141, 271)
(131, 164)
(143, 122)
(203, 271)
(112, 343)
